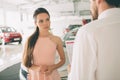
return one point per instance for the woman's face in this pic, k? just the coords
(94, 10)
(43, 21)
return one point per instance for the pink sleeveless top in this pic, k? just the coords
(44, 54)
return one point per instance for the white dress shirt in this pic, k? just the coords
(96, 51)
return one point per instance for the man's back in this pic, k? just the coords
(106, 33)
(97, 49)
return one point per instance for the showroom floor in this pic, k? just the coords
(10, 62)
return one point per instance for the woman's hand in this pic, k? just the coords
(50, 69)
(43, 68)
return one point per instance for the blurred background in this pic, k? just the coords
(16, 24)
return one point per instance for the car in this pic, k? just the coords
(70, 35)
(70, 27)
(9, 35)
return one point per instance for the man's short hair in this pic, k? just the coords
(115, 3)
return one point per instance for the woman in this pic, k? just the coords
(41, 46)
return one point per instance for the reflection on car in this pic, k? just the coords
(70, 27)
(70, 35)
(9, 34)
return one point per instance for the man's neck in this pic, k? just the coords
(103, 6)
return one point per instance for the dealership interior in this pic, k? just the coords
(18, 14)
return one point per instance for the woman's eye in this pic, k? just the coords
(48, 19)
(41, 21)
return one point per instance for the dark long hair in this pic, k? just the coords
(29, 47)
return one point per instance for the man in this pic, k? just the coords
(96, 51)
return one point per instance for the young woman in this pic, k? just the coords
(41, 46)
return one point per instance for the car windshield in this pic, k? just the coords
(73, 26)
(7, 29)
(70, 35)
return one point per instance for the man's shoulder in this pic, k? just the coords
(93, 25)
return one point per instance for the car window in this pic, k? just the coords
(12, 29)
(7, 29)
(73, 26)
(71, 35)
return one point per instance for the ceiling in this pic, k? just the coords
(30, 5)
(27, 3)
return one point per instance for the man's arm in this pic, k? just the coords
(84, 60)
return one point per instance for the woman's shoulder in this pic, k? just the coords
(57, 39)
